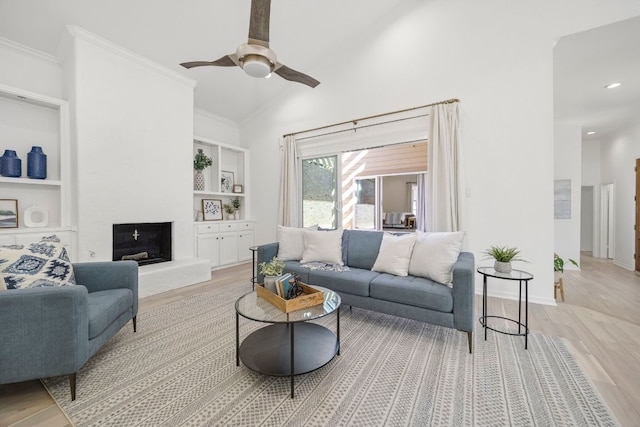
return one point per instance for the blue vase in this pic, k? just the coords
(10, 164)
(36, 163)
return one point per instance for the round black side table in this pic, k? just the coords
(514, 275)
(254, 278)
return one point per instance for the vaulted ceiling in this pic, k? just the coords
(306, 35)
(302, 33)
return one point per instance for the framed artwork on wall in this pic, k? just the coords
(237, 188)
(212, 209)
(226, 181)
(8, 213)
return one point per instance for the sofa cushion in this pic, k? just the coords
(363, 248)
(322, 246)
(40, 264)
(294, 267)
(105, 307)
(411, 290)
(354, 282)
(434, 255)
(291, 242)
(395, 254)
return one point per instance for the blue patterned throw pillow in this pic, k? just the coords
(41, 264)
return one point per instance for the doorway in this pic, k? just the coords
(607, 229)
(586, 220)
(637, 223)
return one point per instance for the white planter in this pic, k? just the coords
(557, 275)
(270, 283)
(502, 267)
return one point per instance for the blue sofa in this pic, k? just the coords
(52, 331)
(411, 297)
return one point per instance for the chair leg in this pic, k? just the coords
(561, 286)
(134, 323)
(72, 384)
(470, 338)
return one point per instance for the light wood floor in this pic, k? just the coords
(599, 319)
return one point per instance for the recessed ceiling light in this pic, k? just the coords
(591, 132)
(612, 85)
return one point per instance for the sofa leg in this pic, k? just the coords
(134, 323)
(470, 338)
(72, 384)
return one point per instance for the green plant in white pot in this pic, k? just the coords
(503, 256)
(200, 162)
(271, 270)
(558, 267)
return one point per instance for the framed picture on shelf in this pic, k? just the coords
(237, 188)
(226, 181)
(8, 213)
(212, 209)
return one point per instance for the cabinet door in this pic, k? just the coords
(209, 248)
(228, 248)
(245, 241)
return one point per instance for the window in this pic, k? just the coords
(320, 192)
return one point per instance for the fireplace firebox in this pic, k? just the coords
(146, 243)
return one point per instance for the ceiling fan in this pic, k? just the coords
(255, 57)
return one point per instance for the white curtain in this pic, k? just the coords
(443, 193)
(421, 203)
(290, 181)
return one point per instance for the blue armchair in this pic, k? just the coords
(53, 331)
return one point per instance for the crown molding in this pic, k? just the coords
(29, 50)
(216, 117)
(82, 34)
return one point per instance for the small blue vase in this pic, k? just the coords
(10, 164)
(36, 163)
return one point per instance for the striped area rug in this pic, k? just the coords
(179, 370)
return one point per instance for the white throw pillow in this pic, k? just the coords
(322, 246)
(395, 254)
(434, 255)
(3, 286)
(291, 242)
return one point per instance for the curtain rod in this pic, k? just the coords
(448, 101)
(355, 128)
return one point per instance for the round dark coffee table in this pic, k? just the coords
(290, 345)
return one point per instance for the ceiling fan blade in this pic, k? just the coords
(259, 21)
(295, 76)
(226, 61)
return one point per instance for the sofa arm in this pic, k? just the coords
(102, 276)
(45, 332)
(266, 254)
(464, 292)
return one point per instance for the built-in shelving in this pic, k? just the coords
(30, 119)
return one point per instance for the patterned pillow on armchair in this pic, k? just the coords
(41, 264)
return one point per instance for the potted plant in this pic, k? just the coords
(200, 162)
(558, 267)
(503, 256)
(228, 208)
(236, 206)
(271, 271)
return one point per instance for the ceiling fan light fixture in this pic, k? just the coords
(257, 66)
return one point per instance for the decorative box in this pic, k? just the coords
(309, 298)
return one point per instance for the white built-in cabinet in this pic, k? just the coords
(227, 241)
(28, 119)
(224, 243)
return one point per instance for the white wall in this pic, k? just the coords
(495, 57)
(591, 178)
(214, 127)
(586, 219)
(619, 154)
(567, 165)
(29, 69)
(133, 139)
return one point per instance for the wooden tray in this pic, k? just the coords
(309, 298)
